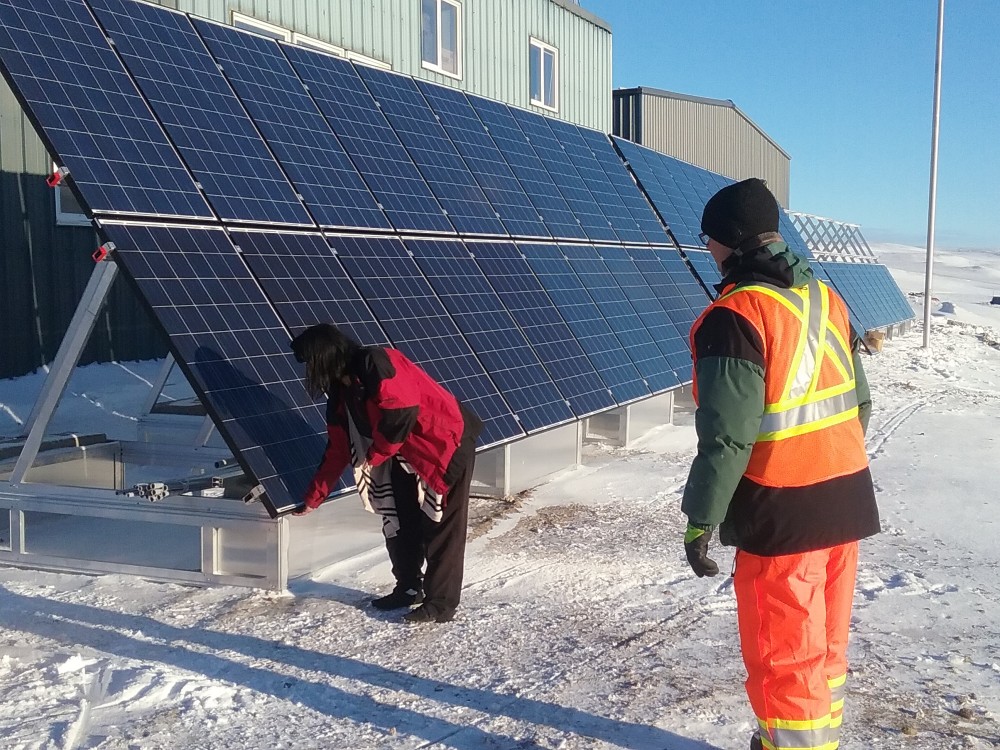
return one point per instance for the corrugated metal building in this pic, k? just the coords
(711, 133)
(548, 55)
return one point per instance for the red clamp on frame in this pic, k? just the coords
(54, 179)
(103, 251)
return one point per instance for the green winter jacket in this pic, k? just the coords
(729, 372)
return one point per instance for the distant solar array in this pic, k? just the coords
(871, 294)
(252, 188)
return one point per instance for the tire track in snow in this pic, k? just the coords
(877, 442)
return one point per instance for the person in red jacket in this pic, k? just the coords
(412, 447)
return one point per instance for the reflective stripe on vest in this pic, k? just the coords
(803, 407)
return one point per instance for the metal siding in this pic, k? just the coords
(711, 136)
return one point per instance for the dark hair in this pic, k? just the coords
(327, 353)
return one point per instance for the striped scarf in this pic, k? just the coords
(375, 483)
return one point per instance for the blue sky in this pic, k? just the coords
(846, 88)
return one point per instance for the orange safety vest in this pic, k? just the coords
(809, 431)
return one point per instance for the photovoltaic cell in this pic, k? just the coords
(420, 326)
(586, 321)
(432, 151)
(307, 284)
(201, 113)
(666, 333)
(233, 349)
(491, 332)
(72, 84)
(619, 178)
(293, 126)
(557, 348)
(581, 201)
(371, 143)
(468, 134)
(622, 317)
(526, 165)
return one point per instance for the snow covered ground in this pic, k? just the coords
(581, 626)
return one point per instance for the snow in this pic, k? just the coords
(581, 625)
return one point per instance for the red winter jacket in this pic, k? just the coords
(405, 411)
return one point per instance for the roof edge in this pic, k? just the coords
(583, 13)
(728, 103)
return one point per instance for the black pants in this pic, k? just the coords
(441, 545)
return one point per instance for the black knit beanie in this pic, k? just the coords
(740, 212)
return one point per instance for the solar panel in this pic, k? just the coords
(577, 192)
(433, 152)
(668, 332)
(371, 143)
(685, 278)
(682, 298)
(420, 326)
(586, 321)
(201, 113)
(491, 332)
(307, 284)
(619, 178)
(234, 350)
(871, 294)
(557, 349)
(526, 165)
(622, 317)
(677, 190)
(792, 237)
(705, 266)
(468, 134)
(89, 112)
(597, 181)
(293, 126)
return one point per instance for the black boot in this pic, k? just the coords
(424, 614)
(398, 599)
(755, 743)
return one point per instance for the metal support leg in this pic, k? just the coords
(158, 384)
(66, 359)
(204, 433)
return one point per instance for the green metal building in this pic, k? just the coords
(551, 56)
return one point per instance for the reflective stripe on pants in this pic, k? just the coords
(794, 616)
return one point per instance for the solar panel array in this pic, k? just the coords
(872, 295)
(252, 188)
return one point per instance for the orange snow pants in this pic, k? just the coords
(794, 615)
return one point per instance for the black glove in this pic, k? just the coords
(696, 548)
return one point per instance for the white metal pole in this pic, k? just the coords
(932, 207)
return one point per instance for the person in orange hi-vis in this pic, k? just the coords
(781, 467)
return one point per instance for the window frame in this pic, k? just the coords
(311, 42)
(459, 44)
(243, 22)
(67, 218)
(543, 47)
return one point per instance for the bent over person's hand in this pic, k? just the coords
(696, 547)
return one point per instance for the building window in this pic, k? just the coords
(69, 212)
(441, 38)
(543, 65)
(249, 23)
